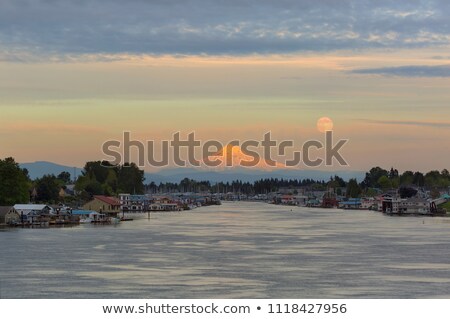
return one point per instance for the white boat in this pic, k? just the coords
(86, 220)
(91, 217)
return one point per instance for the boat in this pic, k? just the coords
(86, 220)
(92, 217)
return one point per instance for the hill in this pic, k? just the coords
(38, 169)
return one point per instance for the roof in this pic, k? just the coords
(81, 212)
(19, 207)
(350, 203)
(108, 200)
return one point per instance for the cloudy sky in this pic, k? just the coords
(74, 74)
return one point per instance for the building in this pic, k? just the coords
(291, 190)
(287, 200)
(27, 209)
(34, 213)
(104, 204)
(400, 206)
(9, 216)
(368, 203)
(351, 203)
(134, 203)
(164, 207)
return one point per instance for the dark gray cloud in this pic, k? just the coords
(408, 123)
(440, 71)
(217, 27)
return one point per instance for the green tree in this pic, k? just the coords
(98, 170)
(353, 189)
(130, 179)
(407, 178)
(418, 179)
(48, 188)
(384, 182)
(371, 192)
(14, 183)
(395, 182)
(88, 186)
(372, 177)
(393, 173)
(64, 177)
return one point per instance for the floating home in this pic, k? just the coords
(408, 206)
(9, 216)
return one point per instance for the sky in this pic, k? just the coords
(74, 74)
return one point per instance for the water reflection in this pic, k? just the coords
(237, 250)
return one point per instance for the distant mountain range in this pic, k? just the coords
(174, 175)
(39, 169)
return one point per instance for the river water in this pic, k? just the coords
(236, 250)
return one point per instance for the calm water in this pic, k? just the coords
(237, 250)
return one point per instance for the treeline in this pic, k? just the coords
(377, 179)
(17, 187)
(381, 179)
(98, 178)
(261, 186)
(103, 178)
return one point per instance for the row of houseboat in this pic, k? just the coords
(100, 210)
(45, 215)
(388, 203)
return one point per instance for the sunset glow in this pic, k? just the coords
(382, 93)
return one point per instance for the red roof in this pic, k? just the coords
(108, 200)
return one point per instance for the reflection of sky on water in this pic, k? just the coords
(237, 250)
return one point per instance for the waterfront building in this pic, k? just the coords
(8, 215)
(34, 213)
(105, 204)
(134, 203)
(368, 203)
(351, 203)
(400, 206)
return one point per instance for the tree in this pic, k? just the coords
(418, 179)
(353, 189)
(393, 173)
(372, 177)
(98, 170)
(371, 192)
(89, 187)
(47, 188)
(395, 182)
(130, 179)
(407, 178)
(14, 183)
(64, 177)
(333, 184)
(384, 182)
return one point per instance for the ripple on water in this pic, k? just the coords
(237, 250)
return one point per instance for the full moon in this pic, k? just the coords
(324, 124)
